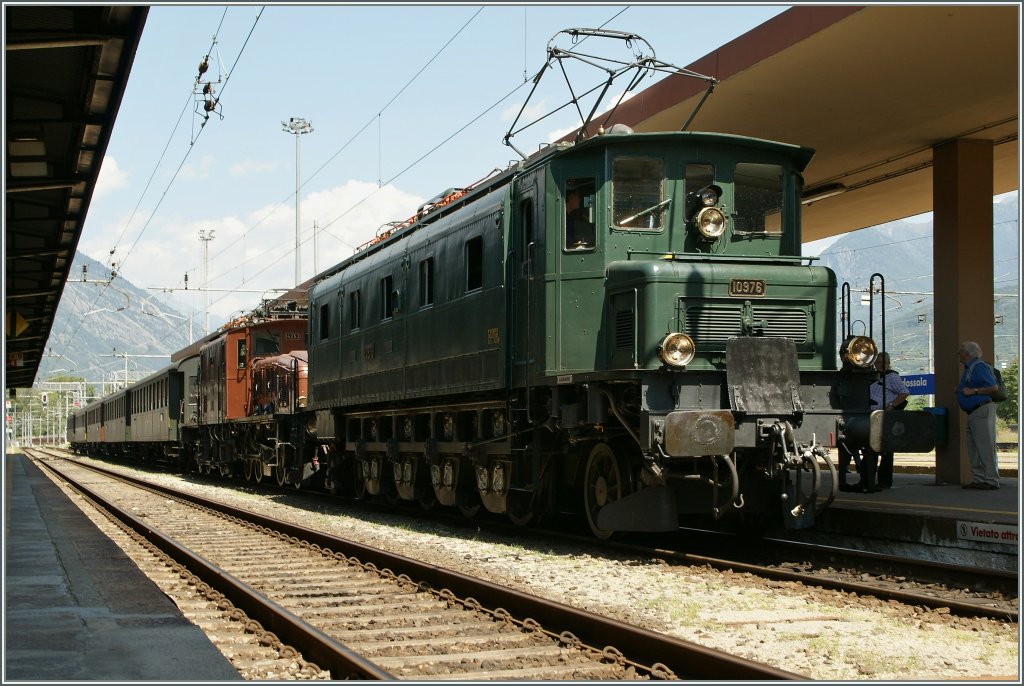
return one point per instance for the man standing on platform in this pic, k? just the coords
(977, 382)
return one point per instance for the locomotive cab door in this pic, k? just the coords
(574, 215)
(526, 266)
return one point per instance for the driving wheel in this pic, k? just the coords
(602, 485)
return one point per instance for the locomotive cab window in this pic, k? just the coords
(698, 177)
(474, 264)
(267, 343)
(579, 214)
(758, 198)
(638, 200)
(241, 354)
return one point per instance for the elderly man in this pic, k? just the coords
(977, 382)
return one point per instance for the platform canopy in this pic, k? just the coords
(65, 71)
(872, 88)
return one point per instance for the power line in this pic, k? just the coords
(355, 136)
(417, 161)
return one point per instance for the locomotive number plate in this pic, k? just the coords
(747, 288)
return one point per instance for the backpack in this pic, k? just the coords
(1000, 394)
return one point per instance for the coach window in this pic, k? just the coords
(353, 310)
(325, 311)
(758, 198)
(579, 214)
(474, 264)
(638, 200)
(427, 282)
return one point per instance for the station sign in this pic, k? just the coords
(991, 533)
(920, 384)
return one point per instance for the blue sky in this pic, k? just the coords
(384, 86)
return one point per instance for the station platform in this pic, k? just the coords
(76, 608)
(941, 521)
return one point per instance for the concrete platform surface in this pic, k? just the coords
(76, 608)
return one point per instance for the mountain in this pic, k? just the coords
(901, 252)
(105, 326)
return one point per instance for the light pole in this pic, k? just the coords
(206, 274)
(297, 126)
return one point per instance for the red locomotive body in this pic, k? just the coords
(225, 369)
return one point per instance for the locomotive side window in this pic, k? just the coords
(325, 313)
(353, 310)
(241, 353)
(638, 200)
(427, 282)
(758, 198)
(579, 214)
(474, 263)
(387, 298)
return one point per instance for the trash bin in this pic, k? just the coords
(941, 415)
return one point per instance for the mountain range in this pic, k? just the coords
(107, 328)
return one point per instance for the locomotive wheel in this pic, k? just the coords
(428, 502)
(519, 518)
(358, 480)
(280, 472)
(257, 471)
(247, 469)
(470, 511)
(602, 484)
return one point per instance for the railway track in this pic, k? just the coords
(326, 605)
(966, 591)
(962, 590)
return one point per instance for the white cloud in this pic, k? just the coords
(529, 114)
(190, 172)
(349, 215)
(251, 167)
(111, 178)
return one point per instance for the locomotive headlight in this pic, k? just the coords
(710, 222)
(708, 197)
(858, 351)
(676, 350)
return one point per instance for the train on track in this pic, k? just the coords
(620, 326)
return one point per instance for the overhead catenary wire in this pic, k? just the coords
(191, 146)
(375, 118)
(400, 173)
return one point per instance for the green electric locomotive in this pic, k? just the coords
(623, 325)
(620, 325)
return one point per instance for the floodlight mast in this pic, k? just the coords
(641, 65)
(297, 126)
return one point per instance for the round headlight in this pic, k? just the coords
(858, 351)
(708, 197)
(676, 350)
(710, 222)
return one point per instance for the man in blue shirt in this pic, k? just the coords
(977, 382)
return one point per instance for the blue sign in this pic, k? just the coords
(920, 384)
